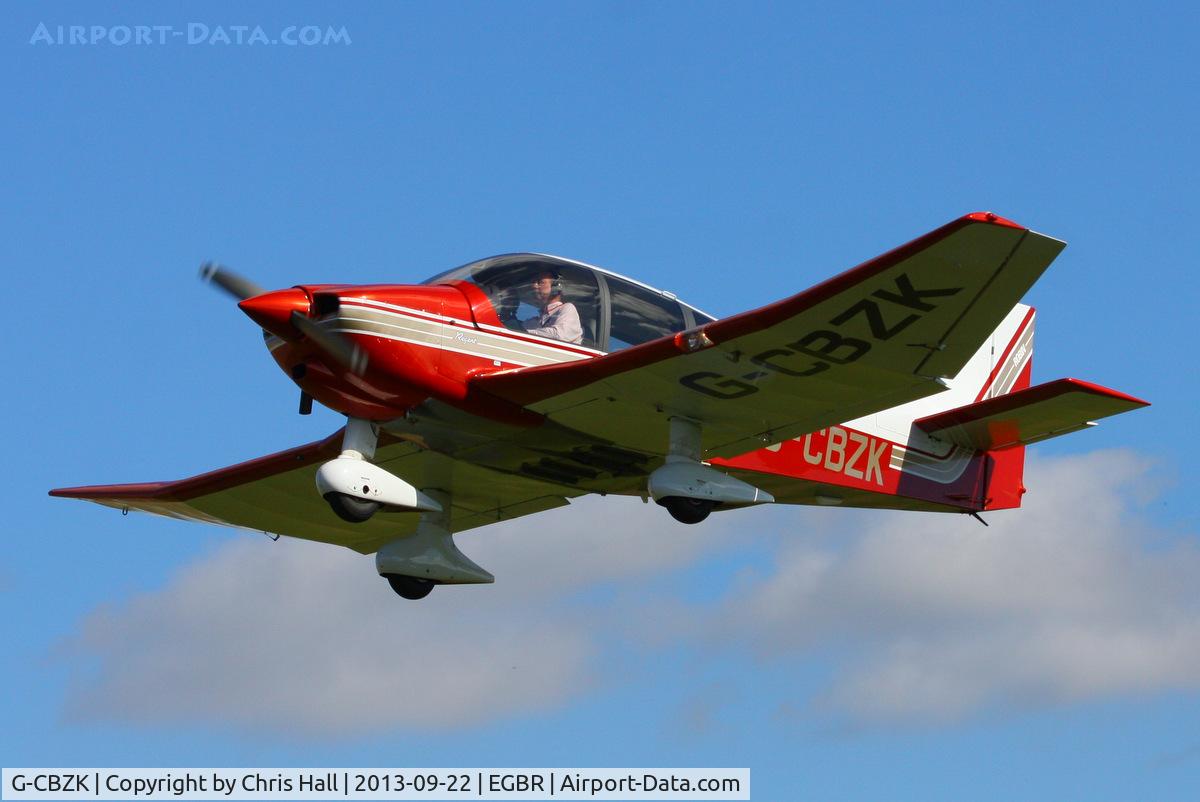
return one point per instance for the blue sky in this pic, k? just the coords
(733, 155)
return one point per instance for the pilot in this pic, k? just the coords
(558, 320)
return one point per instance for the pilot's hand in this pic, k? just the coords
(509, 319)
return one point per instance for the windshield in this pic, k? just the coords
(564, 308)
(613, 312)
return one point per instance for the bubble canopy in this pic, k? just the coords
(615, 312)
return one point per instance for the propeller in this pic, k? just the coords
(341, 350)
(239, 287)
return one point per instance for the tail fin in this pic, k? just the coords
(1001, 365)
(1007, 413)
(1011, 359)
(933, 468)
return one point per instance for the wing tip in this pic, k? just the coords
(94, 492)
(68, 492)
(993, 218)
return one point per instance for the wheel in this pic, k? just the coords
(687, 510)
(349, 508)
(410, 587)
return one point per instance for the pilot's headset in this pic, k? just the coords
(556, 283)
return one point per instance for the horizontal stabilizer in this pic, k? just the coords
(1027, 416)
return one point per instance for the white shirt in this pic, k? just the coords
(559, 321)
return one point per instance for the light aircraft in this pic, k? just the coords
(903, 383)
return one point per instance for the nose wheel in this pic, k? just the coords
(414, 562)
(349, 508)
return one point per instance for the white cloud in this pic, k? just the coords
(1072, 598)
(921, 617)
(306, 639)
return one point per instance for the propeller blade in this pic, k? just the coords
(237, 286)
(338, 348)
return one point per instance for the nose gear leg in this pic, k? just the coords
(429, 556)
(356, 488)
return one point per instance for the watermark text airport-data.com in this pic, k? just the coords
(193, 33)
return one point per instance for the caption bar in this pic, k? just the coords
(189, 784)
